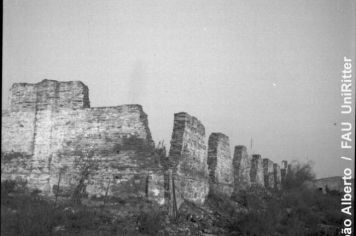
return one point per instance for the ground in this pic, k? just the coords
(254, 212)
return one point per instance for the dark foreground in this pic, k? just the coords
(298, 212)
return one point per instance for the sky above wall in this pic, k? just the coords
(266, 70)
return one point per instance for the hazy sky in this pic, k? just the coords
(265, 69)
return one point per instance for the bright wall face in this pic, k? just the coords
(188, 155)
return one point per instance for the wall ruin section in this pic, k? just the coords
(277, 176)
(189, 160)
(268, 173)
(241, 168)
(220, 164)
(256, 173)
(53, 134)
(48, 94)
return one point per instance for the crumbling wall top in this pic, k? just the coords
(190, 121)
(48, 94)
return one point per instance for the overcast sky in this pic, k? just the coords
(269, 70)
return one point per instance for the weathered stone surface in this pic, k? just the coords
(268, 173)
(241, 168)
(156, 188)
(189, 160)
(52, 139)
(277, 176)
(220, 164)
(256, 172)
(48, 94)
(51, 136)
(17, 133)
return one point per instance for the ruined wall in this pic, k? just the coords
(268, 173)
(116, 141)
(48, 94)
(56, 137)
(51, 136)
(256, 173)
(220, 164)
(28, 122)
(241, 167)
(189, 160)
(277, 176)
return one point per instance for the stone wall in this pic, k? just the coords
(277, 176)
(17, 133)
(51, 136)
(241, 169)
(256, 173)
(115, 141)
(52, 139)
(48, 94)
(23, 97)
(220, 164)
(268, 173)
(189, 159)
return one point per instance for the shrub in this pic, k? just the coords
(297, 210)
(150, 221)
(7, 186)
(26, 215)
(298, 174)
(222, 204)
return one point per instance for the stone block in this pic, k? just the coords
(48, 94)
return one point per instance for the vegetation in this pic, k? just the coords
(297, 175)
(295, 211)
(26, 213)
